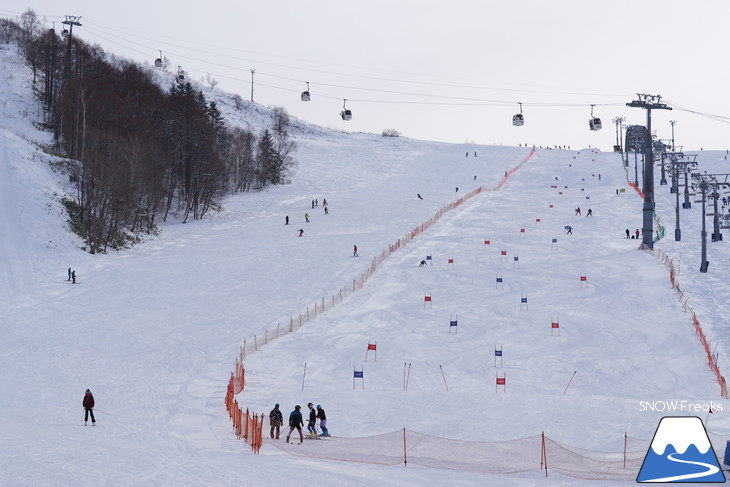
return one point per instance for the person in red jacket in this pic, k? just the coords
(88, 404)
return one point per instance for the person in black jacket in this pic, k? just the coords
(322, 420)
(275, 420)
(88, 404)
(312, 423)
(296, 421)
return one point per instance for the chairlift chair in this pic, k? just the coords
(305, 94)
(180, 75)
(345, 113)
(594, 123)
(518, 120)
(158, 61)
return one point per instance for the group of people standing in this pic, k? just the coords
(71, 276)
(296, 422)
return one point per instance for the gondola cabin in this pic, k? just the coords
(595, 124)
(518, 120)
(158, 62)
(305, 96)
(64, 33)
(346, 114)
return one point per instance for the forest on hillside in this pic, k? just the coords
(135, 153)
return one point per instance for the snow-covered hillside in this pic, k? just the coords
(154, 331)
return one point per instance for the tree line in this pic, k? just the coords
(138, 153)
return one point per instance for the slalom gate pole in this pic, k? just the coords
(405, 457)
(304, 375)
(571, 380)
(444, 376)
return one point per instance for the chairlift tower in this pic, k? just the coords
(71, 21)
(648, 103)
(677, 163)
(709, 185)
(619, 121)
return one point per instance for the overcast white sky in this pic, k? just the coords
(449, 71)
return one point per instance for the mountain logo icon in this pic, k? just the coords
(680, 452)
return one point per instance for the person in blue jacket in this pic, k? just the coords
(296, 422)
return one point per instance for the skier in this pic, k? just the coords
(312, 423)
(306, 217)
(324, 202)
(457, 190)
(467, 154)
(569, 230)
(88, 404)
(296, 422)
(73, 276)
(316, 202)
(312, 203)
(423, 263)
(326, 211)
(590, 212)
(628, 233)
(301, 232)
(419, 196)
(475, 178)
(286, 220)
(354, 251)
(275, 420)
(637, 234)
(69, 274)
(577, 211)
(322, 420)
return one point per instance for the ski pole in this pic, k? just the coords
(571, 380)
(108, 414)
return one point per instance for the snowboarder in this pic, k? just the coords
(301, 232)
(69, 274)
(322, 420)
(419, 196)
(423, 263)
(296, 422)
(312, 423)
(569, 230)
(286, 220)
(73, 276)
(354, 251)
(88, 404)
(577, 211)
(628, 234)
(275, 420)
(590, 212)
(306, 217)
